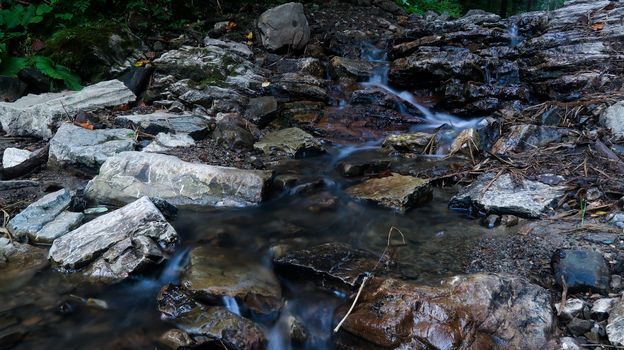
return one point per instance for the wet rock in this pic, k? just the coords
(329, 265)
(601, 308)
(62, 224)
(212, 325)
(413, 142)
(481, 311)
(509, 220)
(18, 263)
(176, 339)
(11, 89)
(573, 308)
(196, 126)
(214, 273)
(45, 210)
(163, 142)
(14, 156)
(284, 26)
(131, 175)
(360, 166)
(529, 199)
(234, 132)
(115, 245)
(292, 142)
(40, 115)
(261, 110)
(579, 327)
(524, 137)
(292, 86)
(613, 119)
(351, 68)
(397, 191)
(491, 221)
(87, 149)
(137, 79)
(306, 65)
(582, 270)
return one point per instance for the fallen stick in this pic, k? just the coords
(38, 158)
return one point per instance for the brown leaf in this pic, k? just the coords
(598, 26)
(86, 125)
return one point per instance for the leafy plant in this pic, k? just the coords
(452, 7)
(10, 66)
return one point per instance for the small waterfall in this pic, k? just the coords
(514, 35)
(173, 269)
(231, 304)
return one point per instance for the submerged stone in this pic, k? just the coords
(131, 175)
(503, 196)
(481, 311)
(18, 263)
(214, 273)
(87, 149)
(397, 191)
(582, 270)
(115, 245)
(293, 142)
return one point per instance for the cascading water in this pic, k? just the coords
(514, 35)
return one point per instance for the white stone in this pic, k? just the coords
(166, 141)
(613, 119)
(14, 156)
(39, 115)
(573, 308)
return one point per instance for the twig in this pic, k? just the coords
(564, 295)
(357, 296)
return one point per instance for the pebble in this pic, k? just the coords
(601, 308)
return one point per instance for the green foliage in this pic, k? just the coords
(452, 7)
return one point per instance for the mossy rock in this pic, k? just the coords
(91, 50)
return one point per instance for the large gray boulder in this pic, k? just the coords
(613, 119)
(45, 210)
(131, 175)
(284, 25)
(40, 115)
(116, 245)
(80, 147)
(503, 196)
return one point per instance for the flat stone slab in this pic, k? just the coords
(131, 175)
(39, 115)
(397, 191)
(116, 245)
(14, 156)
(38, 214)
(63, 223)
(530, 199)
(163, 142)
(293, 142)
(214, 273)
(413, 142)
(157, 122)
(79, 147)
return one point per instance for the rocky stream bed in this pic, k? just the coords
(347, 177)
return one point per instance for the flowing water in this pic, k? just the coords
(55, 311)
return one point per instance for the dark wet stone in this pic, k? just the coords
(524, 137)
(176, 339)
(292, 142)
(294, 86)
(350, 68)
(397, 191)
(491, 221)
(168, 210)
(603, 238)
(38, 82)
(207, 324)
(137, 79)
(358, 167)
(412, 142)
(330, 265)
(11, 89)
(234, 132)
(261, 110)
(488, 309)
(213, 273)
(582, 270)
(579, 327)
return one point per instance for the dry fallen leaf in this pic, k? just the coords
(86, 125)
(249, 36)
(231, 25)
(141, 63)
(598, 26)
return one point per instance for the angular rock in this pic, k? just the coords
(62, 224)
(613, 119)
(615, 324)
(307, 65)
(203, 324)
(293, 142)
(397, 191)
(165, 141)
(261, 110)
(350, 68)
(231, 46)
(481, 311)
(524, 137)
(292, 86)
(194, 125)
(214, 273)
(14, 156)
(415, 142)
(210, 64)
(32, 219)
(113, 246)
(131, 175)
(18, 263)
(601, 308)
(582, 270)
(530, 199)
(39, 115)
(11, 88)
(234, 132)
(83, 148)
(284, 25)
(573, 308)
(579, 327)
(329, 265)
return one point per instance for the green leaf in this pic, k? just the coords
(55, 71)
(64, 16)
(9, 66)
(29, 13)
(43, 9)
(36, 19)
(13, 16)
